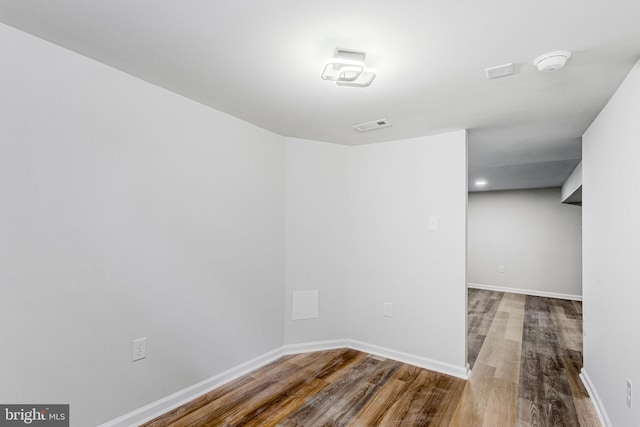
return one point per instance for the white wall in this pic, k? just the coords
(128, 211)
(396, 187)
(357, 231)
(611, 235)
(532, 234)
(317, 236)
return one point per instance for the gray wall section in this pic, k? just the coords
(532, 234)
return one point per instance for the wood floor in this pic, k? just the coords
(526, 354)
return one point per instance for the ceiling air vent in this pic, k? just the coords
(376, 124)
(499, 71)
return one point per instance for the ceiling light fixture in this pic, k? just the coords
(347, 68)
(552, 61)
(481, 183)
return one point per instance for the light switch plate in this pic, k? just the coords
(387, 309)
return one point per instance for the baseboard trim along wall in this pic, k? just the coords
(307, 347)
(179, 398)
(411, 359)
(597, 403)
(166, 404)
(525, 292)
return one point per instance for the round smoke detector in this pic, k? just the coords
(552, 61)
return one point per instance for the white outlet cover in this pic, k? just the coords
(139, 349)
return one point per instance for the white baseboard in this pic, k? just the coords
(166, 404)
(307, 347)
(411, 359)
(597, 403)
(525, 291)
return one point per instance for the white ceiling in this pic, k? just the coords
(261, 61)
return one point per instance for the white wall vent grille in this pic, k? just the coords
(499, 71)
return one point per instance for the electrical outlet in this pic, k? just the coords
(501, 268)
(629, 389)
(139, 349)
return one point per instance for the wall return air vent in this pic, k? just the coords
(373, 125)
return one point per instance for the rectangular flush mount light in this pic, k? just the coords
(347, 68)
(373, 125)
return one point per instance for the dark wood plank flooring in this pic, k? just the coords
(329, 388)
(526, 354)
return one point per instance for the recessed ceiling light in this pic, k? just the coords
(347, 68)
(480, 183)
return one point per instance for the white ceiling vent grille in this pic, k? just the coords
(376, 124)
(499, 71)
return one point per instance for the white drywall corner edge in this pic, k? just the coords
(597, 403)
(166, 404)
(524, 291)
(572, 183)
